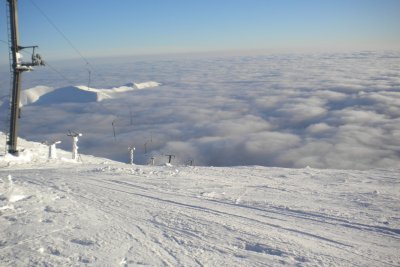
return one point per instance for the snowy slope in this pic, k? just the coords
(104, 213)
(31, 95)
(44, 95)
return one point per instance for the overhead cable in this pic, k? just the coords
(61, 33)
(65, 38)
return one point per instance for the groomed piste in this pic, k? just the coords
(100, 212)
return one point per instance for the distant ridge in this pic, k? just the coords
(43, 95)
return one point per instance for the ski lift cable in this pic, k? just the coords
(59, 31)
(59, 73)
(64, 36)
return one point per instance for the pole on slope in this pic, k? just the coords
(131, 154)
(17, 68)
(170, 157)
(75, 138)
(190, 162)
(152, 159)
(52, 148)
(15, 94)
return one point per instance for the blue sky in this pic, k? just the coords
(129, 27)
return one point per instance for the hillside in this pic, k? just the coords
(43, 95)
(100, 212)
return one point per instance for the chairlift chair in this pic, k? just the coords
(36, 59)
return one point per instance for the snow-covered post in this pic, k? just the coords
(75, 147)
(52, 149)
(131, 154)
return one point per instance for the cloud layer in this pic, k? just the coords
(325, 111)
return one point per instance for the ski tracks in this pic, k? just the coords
(153, 220)
(180, 213)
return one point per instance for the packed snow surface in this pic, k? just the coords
(102, 213)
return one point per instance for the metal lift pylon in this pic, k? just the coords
(18, 66)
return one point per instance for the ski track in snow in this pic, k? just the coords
(113, 214)
(173, 221)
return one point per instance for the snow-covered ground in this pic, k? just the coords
(104, 213)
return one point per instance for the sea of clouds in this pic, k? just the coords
(339, 110)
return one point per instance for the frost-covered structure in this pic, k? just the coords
(53, 150)
(75, 139)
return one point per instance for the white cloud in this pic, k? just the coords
(353, 115)
(298, 113)
(319, 128)
(327, 111)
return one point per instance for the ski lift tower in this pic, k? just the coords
(17, 67)
(75, 137)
